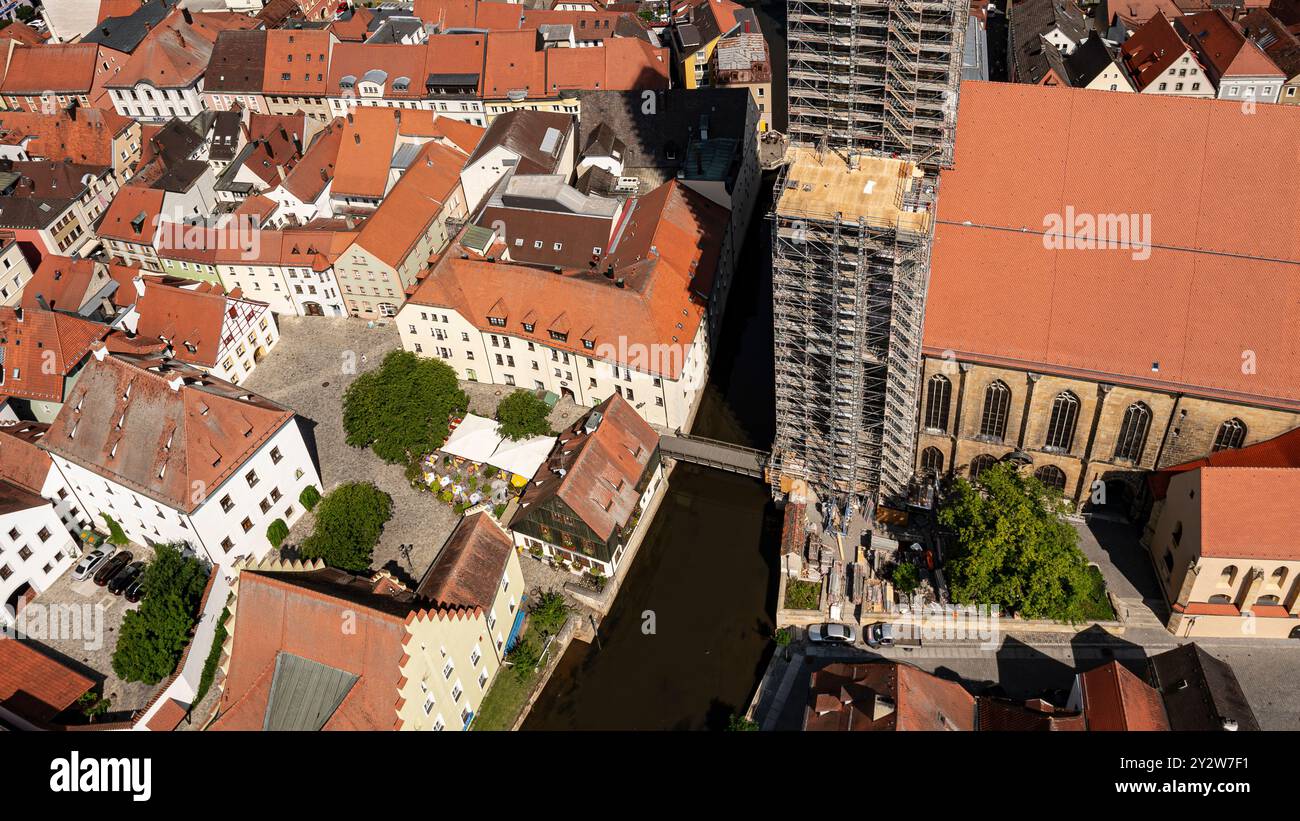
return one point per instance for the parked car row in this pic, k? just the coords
(879, 634)
(113, 569)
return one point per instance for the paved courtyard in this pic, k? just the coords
(96, 618)
(315, 361)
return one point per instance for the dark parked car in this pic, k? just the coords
(136, 591)
(112, 567)
(125, 578)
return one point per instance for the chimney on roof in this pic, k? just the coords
(619, 282)
(357, 137)
(40, 300)
(189, 18)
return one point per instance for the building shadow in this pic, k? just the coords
(1025, 672)
(1094, 647)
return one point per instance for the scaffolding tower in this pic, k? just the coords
(873, 87)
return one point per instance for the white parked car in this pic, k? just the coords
(831, 633)
(90, 563)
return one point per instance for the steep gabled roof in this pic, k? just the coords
(40, 348)
(35, 686)
(415, 201)
(21, 459)
(596, 473)
(1115, 699)
(886, 696)
(1152, 50)
(469, 567)
(160, 427)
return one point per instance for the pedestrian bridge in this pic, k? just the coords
(714, 454)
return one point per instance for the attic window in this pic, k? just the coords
(498, 321)
(588, 344)
(528, 326)
(559, 336)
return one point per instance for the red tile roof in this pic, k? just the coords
(1115, 699)
(1223, 274)
(1222, 48)
(666, 257)
(1250, 513)
(62, 282)
(1279, 452)
(888, 696)
(133, 204)
(316, 169)
(61, 68)
(601, 470)
(85, 138)
(298, 613)
(470, 565)
(184, 317)
(1152, 50)
(413, 203)
(175, 429)
(304, 55)
(35, 686)
(176, 53)
(354, 60)
(21, 459)
(40, 349)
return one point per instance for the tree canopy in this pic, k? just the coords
(523, 414)
(401, 408)
(1014, 549)
(348, 524)
(154, 635)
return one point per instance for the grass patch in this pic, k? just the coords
(1096, 602)
(515, 682)
(802, 595)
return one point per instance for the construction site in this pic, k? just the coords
(873, 91)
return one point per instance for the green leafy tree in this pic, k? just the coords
(309, 497)
(348, 525)
(740, 724)
(93, 705)
(522, 414)
(277, 532)
(401, 408)
(905, 577)
(549, 613)
(115, 533)
(153, 636)
(1014, 549)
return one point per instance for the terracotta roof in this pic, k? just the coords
(661, 302)
(288, 52)
(447, 13)
(61, 68)
(1223, 49)
(1223, 273)
(1115, 699)
(25, 345)
(25, 34)
(886, 695)
(21, 459)
(176, 428)
(1279, 452)
(353, 27)
(85, 136)
(185, 317)
(298, 614)
(353, 61)
(1250, 513)
(366, 153)
(64, 283)
(316, 169)
(134, 205)
(175, 54)
(596, 474)
(168, 717)
(35, 686)
(413, 203)
(469, 567)
(1152, 50)
(514, 64)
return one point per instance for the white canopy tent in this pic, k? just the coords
(478, 439)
